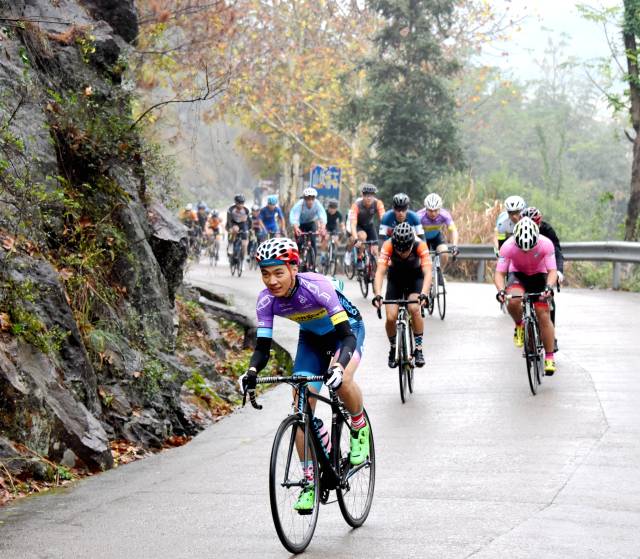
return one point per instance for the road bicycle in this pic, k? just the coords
(235, 258)
(297, 438)
(307, 251)
(367, 270)
(533, 350)
(330, 260)
(405, 344)
(438, 290)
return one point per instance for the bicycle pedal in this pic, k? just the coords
(305, 512)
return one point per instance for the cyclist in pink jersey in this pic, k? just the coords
(527, 264)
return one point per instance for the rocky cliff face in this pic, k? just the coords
(89, 265)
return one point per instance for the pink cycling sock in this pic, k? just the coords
(549, 356)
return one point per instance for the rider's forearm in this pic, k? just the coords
(552, 277)
(348, 342)
(498, 280)
(261, 353)
(426, 283)
(377, 281)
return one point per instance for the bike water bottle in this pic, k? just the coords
(322, 434)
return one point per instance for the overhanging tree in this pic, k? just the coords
(407, 100)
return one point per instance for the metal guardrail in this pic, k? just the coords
(616, 252)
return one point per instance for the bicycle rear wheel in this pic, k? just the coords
(531, 356)
(286, 479)
(442, 295)
(355, 492)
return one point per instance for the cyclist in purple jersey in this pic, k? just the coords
(433, 218)
(330, 340)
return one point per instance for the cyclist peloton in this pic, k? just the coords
(330, 339)
(399, 214)
(409, 264)
(308, 215)
(507, 220)
(433, 218)
(363, 212)
(527, 264)
(272, 218)
(238, 219)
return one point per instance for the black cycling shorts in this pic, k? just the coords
(400, 286)
(370, 230)
(531, 284)
(436, 241)
(244, 229)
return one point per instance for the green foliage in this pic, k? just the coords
(150, 379)
(16, 300)
(408, 100)
(198, 385)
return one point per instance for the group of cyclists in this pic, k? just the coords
(330, 344)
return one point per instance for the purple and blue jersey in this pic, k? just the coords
(433, 227)
(315, 305)
(268, 218)
(389, 221)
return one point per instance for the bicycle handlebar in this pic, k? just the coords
(401, 302)
(293, 379)
(524, 296)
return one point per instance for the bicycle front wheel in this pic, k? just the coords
(442, 295)
(403, 363)
(287, 479)
(333, 264)
(349, 265)
(531, 356)
(310, 260)
(410, 345)
(355, 491)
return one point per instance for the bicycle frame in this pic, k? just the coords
(329, 466)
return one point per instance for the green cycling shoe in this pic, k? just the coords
(359, 446)
(306, 500)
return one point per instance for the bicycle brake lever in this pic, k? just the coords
(379, 311)
(252, 399)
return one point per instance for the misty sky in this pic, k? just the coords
(586, 39)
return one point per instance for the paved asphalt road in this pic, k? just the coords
(471, 466)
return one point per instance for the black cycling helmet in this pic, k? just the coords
(367, 188)
(238, 199)
(403, 237)
(400, 201)
(202, 206)
(333, 203)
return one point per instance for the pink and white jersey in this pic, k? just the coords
(539, 260)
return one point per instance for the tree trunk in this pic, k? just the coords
(629, 34)
(633, 207)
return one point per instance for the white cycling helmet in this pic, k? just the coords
(310, 192)
(515, 204)
(188, 207)
(278, 250)
(433, 202)
(526, 233)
